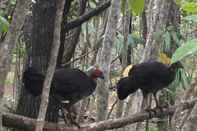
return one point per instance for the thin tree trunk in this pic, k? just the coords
(104, 59)
(52, 66)
(126, 22)
(10, 42)
(63, 33)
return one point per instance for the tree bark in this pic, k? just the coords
(124, 59)
(9, 44)
(71, 45)
(104, 60)
(38, 55)
(156, 22)
(52, 66)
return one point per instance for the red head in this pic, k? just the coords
(95, 73)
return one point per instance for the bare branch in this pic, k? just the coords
(80, 20)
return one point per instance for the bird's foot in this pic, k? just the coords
(76, 124)
(72, 120)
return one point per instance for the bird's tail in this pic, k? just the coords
(33, 81)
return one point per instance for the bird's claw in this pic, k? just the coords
(76, 124)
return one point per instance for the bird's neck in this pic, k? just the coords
(173, 69)
(91, 75)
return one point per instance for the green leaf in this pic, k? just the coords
(188, 48)
(12, 2)
(4, 25)
(191, 18)
(130, 39)
(175, 37)
(123, 6)
(167, 39)
(178, 2)
(136, 6)
(92, 4)
(119, 41)
(130, 7)
(190, 7)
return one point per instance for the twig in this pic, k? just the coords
(78, 58)
(112, 108)
(116, 58)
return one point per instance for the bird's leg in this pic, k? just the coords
(71, 119)
(148, 103)
(144, 101)
(60, 108)
(63, 115)
(156, 101)
(158, 105)
(62, 105)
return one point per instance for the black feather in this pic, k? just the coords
(67, 84)
(148, 76)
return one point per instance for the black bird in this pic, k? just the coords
(150, 77)
(68, 85)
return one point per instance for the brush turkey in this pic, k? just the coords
(67, 88)
(150, 77)
(68, 84)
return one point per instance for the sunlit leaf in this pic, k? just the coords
(190, 7)
(136, 6)
(188, 48)
(4, 25)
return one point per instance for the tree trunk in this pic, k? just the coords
(124, 59)
(104, 60)
(156, 22)
(42, 36)
(9, 44)
(51, 68)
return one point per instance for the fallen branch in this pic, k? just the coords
(16, 121)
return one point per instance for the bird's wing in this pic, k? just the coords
(150, 72)
(71, 80)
